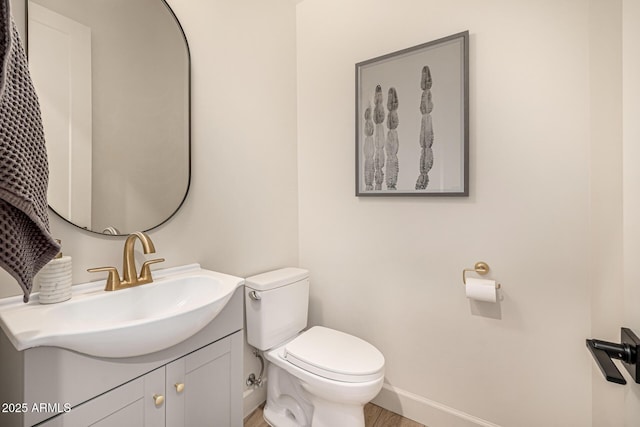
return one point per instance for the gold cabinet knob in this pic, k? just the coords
(158, 399)
(179, 387)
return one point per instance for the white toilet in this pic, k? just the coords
(317, 378)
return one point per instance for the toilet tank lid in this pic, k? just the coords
(275, 279)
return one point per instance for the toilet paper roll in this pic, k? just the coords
(481, 289)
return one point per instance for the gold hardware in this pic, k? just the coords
(113, 280)
(179, 387)
(481, 268)
(158, 400)
(145, 271)
(130, 277)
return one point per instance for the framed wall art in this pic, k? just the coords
(412, 121)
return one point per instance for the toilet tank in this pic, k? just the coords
(277, 305)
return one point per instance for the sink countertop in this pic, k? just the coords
(124, 323)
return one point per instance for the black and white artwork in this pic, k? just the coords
(412, 133)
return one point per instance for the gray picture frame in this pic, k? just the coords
(412, 121)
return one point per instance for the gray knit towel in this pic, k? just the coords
(25, 243)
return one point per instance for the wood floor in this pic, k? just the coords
(374, 416)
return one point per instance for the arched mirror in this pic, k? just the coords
(112, 77)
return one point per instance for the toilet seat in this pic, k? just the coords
(335, 355)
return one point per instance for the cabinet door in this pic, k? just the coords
(211, 393)
(130, 405)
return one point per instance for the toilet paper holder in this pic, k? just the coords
(481, 268)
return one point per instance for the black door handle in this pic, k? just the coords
(605, 363)
(604, 352)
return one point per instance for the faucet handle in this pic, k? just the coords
(113, 280)
(145, 271)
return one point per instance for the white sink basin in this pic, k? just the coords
(124, 323)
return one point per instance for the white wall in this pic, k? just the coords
(606, 201)
(631, 185)
(389, 270)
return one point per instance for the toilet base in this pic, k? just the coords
(325, 414)
(288, 403)
(280, 418)
(331, 414)
(296, 402)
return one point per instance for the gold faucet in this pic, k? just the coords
(130, 276)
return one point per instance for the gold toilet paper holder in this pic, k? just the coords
(481, 268)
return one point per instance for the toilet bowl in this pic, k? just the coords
(318, 377)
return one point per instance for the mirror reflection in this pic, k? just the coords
(112, 78)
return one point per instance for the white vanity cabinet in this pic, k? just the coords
(204, 398)
(195, 383)
(194, 390)
(129, 405)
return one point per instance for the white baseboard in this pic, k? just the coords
(425, 411)
(252, 398)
